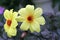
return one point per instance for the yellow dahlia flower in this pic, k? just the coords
(11, 23)
(32, 19)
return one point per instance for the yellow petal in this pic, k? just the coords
(30, 8)
(38, 12)
(35, 27)
(40, 20)
(12, 32)
(7, 14)
(31, 29)
(6, 28)
(15, 14)
(11, 14)
(14, 24)
(11, 10)
(22, 12)
(20, 19)
(9, 35)
(24, 26)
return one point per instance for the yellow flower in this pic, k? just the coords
(11, 23)
(32, 19)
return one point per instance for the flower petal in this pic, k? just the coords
(15, 14)
(30, 8)
(7, 14)
(25, 26)
(20, 19)
(6, 28)
(35, 27)
(9, 35)
(40, 20)
(12, 32)
(38, 12)
(22, 12)
(14, 24)
(11, 10)
(11, 14)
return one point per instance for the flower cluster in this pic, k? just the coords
(11, 23)
(31, 18)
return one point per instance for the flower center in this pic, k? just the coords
(9, 22)
(30, 18)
